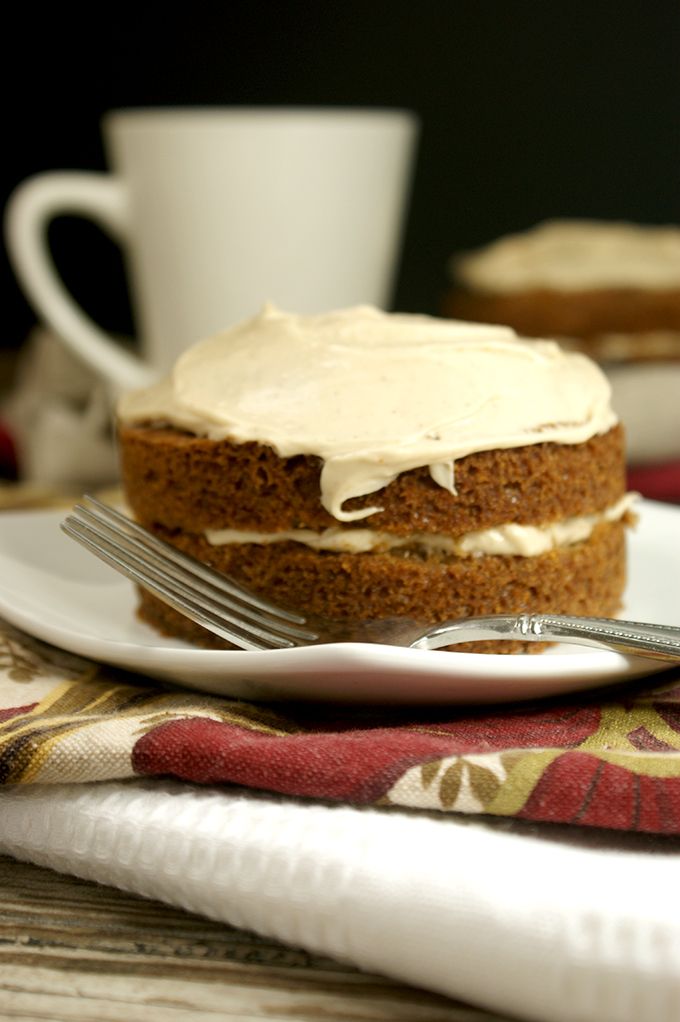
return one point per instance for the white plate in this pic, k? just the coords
(56, 591)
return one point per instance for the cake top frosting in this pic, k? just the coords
(376, 394)
(575, 255)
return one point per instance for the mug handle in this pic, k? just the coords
(31, 207)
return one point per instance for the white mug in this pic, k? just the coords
(219, 210)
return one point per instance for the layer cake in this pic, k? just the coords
(364, 465)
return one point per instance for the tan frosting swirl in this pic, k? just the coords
(575, 255)
(374, 395)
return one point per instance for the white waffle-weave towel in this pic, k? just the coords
(525, 925)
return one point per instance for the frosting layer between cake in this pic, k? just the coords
(508, 540)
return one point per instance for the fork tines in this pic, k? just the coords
(209, 598)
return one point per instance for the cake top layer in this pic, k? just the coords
(575, 255)
(376, 394)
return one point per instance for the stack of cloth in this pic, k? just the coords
(519, 857)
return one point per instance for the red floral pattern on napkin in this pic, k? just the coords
(603, 760)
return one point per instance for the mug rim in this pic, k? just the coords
(202, 114)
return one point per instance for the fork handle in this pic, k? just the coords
(636, 638)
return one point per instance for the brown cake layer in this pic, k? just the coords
(544, 312)
(584, 578)
(180, 481)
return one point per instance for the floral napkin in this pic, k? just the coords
(610, 758)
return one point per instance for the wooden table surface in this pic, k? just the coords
(74, 951)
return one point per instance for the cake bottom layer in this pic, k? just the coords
(585, 578)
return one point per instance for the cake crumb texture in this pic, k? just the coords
(587, 578)
(179, 481)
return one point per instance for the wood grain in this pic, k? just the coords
(73, 951)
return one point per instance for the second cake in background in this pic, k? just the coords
(610, 289)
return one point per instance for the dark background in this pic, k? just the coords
(529, 109)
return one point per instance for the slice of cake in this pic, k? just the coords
(364, 465)
(610, 289)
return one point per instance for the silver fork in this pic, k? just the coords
(252, 622)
